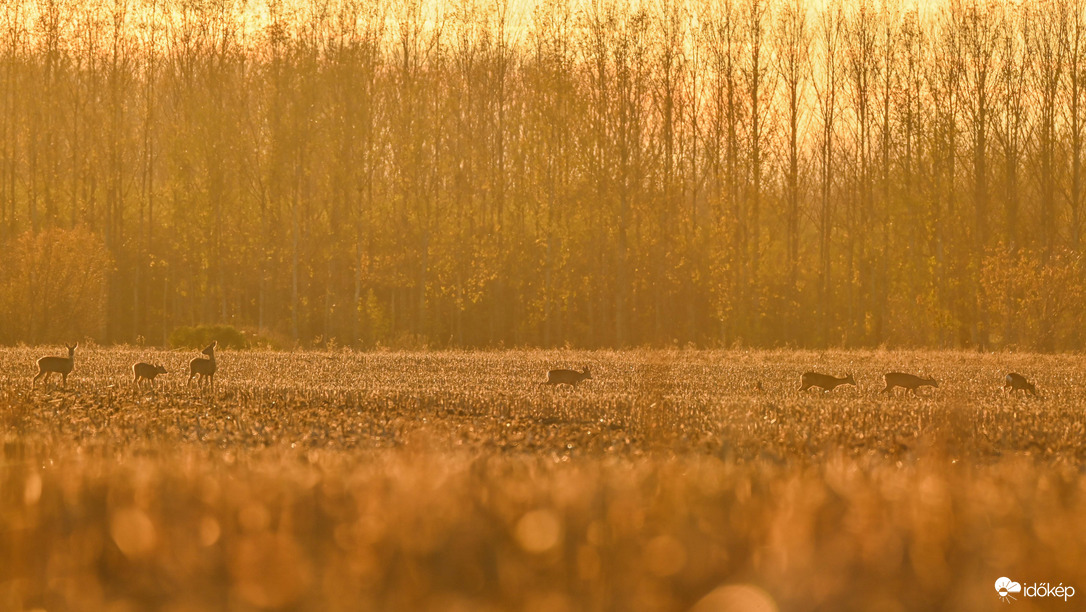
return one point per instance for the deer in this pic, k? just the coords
(824, 381)
(146, 371)
(1017, 382)
(567, 377)
(906, 381)
(204, 367)
(59, 365)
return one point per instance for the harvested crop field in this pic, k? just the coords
(671, 480)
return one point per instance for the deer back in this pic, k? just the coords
(567, 377)
(60, 365)
(202, 365)
(825, 381)
(908, 381)
(147, 370)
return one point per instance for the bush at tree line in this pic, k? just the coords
(199, 336)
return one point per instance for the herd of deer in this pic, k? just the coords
(204, 367)
(1012, 382)
(910, 382)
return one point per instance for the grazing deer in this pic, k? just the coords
(1017, 382)
(60, 365)
(906, 381)
(567, 377)
(204, 367)
(146, 371)
(824, 381)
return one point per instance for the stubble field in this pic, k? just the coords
(451, 481)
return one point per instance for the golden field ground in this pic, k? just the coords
(450, 481)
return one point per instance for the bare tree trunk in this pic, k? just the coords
(831, 26)
(792, 63)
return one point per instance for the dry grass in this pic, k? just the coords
(451, 481)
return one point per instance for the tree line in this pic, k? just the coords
(484, 173)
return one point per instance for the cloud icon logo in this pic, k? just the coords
(1005, 586)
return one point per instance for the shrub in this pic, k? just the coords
(1035, 299)
(199, 336)
(54, 286)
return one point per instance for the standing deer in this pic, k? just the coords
(60, 365)
(906, 381)
(824, 381)
(204, 367)
(146, 371)
(567, 377)
(1017, 382)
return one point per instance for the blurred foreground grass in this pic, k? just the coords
(451, 481)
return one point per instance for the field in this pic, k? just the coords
(451, 481)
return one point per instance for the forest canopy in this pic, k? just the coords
(474, 173)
